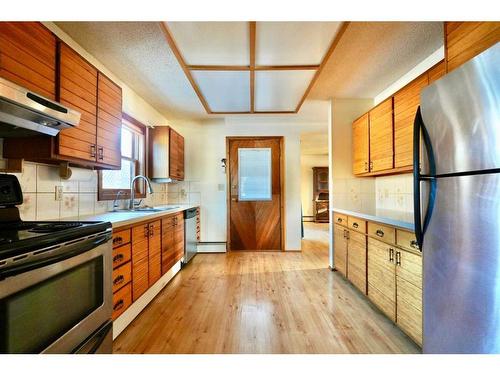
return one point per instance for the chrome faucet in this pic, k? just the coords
(115, 202)
(132, 190)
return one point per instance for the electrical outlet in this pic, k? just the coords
(58, 193)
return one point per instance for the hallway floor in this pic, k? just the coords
(263, 302)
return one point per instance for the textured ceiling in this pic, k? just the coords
(372, 55)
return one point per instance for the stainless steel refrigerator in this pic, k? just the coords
(457, 207)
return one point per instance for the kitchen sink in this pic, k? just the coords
(147, 209)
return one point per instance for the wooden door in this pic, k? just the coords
(28, 56)
(382, 277)
(406, 102)
(340, 249)
(255, 200)
(360, 145)
(176, 155)
(109, 123)
(381, 140)
(78, 90)
(409, 294)
(356, 260)
(154, 252)
(464, 40)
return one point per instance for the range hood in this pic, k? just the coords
(24, 113)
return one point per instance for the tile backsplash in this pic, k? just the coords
(395, 192)
(354, 194)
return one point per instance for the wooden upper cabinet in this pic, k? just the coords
(360, 145)
(78, 90)
(381, 139)
(436, 72)
(464, 40)
(176, 157)
(109, 122)
(406, 102)
(28, 56)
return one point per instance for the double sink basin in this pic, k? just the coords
(147, 209)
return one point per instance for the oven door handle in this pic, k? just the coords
(74, 250)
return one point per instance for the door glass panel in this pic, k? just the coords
(254, 174)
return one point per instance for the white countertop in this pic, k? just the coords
(122, 218)
(398, 219)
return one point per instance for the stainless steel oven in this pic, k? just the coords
(58, 299)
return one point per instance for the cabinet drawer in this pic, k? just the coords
(121, 237)
(122, 300)
(356, 224)
(340, 219)
(406, 240)
(121, 276)
(121, 255)
(382, 232)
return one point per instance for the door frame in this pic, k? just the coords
(282, 187)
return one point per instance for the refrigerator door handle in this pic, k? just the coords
(420, 229)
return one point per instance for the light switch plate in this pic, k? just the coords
(58, 193)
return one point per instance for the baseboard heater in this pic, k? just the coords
(212, 247)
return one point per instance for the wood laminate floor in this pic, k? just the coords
(270, 302)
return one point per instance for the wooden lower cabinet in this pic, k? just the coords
(356, 260)
(382, 277)
(172, 247)
(122, 299)
(340, 249)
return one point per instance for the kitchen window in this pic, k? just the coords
(133, 151)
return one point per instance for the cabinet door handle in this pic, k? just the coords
(117, 241)
(92, 151)
(371, 166)
(117, 306)
(379, 233)
(414, 244)
(339, 220)
(355, 225)
(151, 230)
(100, 150)
(118, 258)
(366, 165)
(118, 280)
(391, 255)
(398, 258)
(146, 231)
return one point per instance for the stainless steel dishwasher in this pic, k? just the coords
(190, 241)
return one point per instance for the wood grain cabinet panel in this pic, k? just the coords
(340, 219)
(382, 232)
(356, 260)
(464, 40)
(140, 277)
(28, 56)
(406, 102)
(109, 122)
(361, 145)
(122, 276)
(122, 255)
(354, 223)
(121, 237)
(172, 247)
(436, 72)
(340, 249)
(381, 137)
(78, 90)
(176, 161)
(382, 277)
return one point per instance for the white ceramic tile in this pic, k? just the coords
(172, 198)
(194, 186)
(195, 199)
(47, 208)
(69, 205)
(27, 179)
(100, 206)
(86, 202)
(88, 182)
(47, 178)
(183, 196)
(28, 208)
(160, 198)
(173, 187)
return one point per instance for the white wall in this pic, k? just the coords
(206, 146)
(307, 162)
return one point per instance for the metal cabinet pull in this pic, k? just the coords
(100, 150)
(146, 231)
(414, 244)
(347, 234)
(117, 241)
(379, 233)
(355, 225)
(398, 258)
(118, 305)
(339, 220)
(118, 258)
(371, 166)
(366, 165)
(118, 280)
(92, 151)
(151, 230)
(391, 255)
